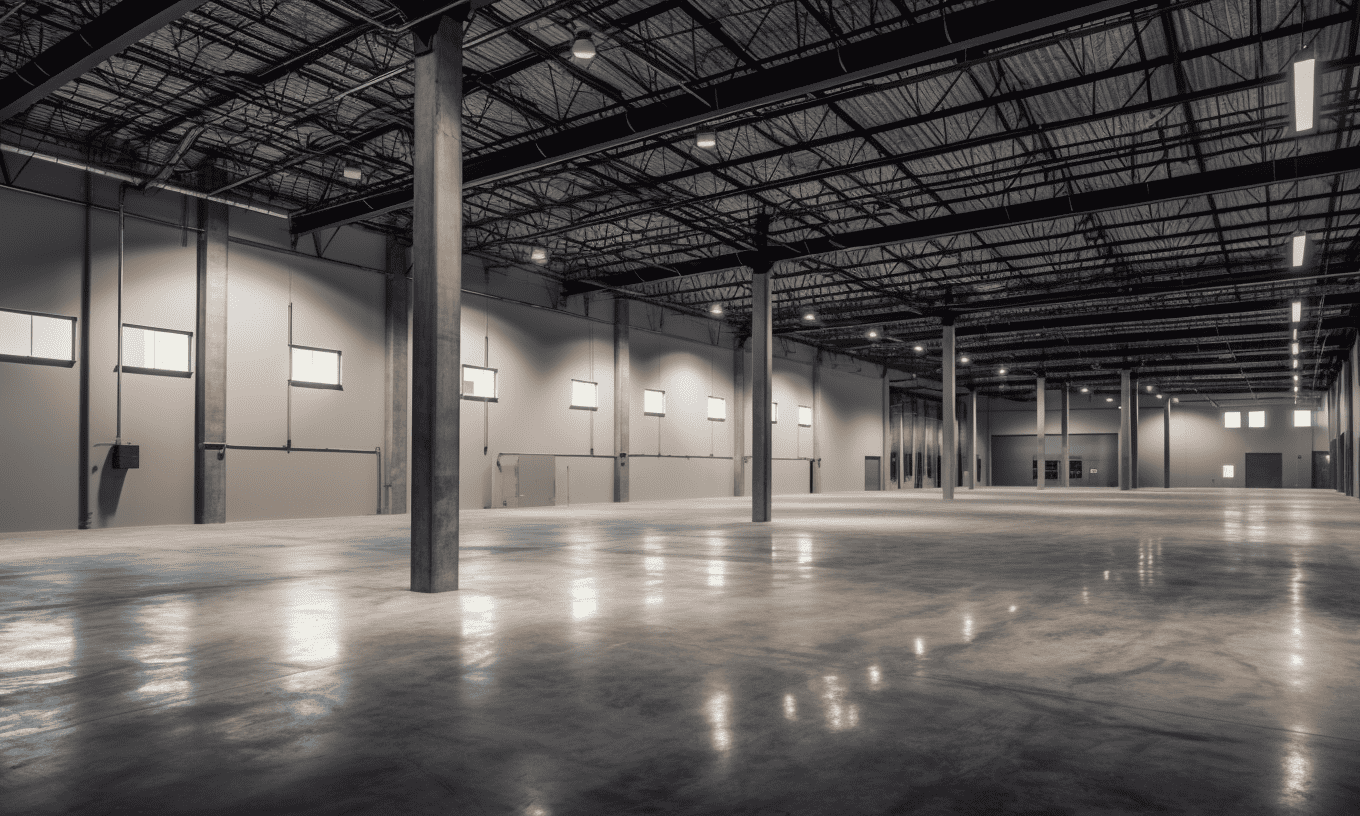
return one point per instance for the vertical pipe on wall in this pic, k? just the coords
(1166, 442)
(437, 229)
(1133, 435)
(83, 433)
(1039, 416)
(949, 452)
(395, 405)
(623, 389)
(118, 324)
(1125, 441)
(762, 363)
(210, 359)
(975, 472)
(1065, 463)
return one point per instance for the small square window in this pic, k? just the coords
(717, 409)
(1227, 471)
(155, 351)
(804, 416)
(653, 402)
(37, 338)
(774, 413)
(314, 367)
(479, 383)
(1303, 419)
(1256, 419)
(1232, 419)
(584, 395)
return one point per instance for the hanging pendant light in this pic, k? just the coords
(584, 46)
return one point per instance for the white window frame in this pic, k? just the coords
(171, 372)
(801, 409)
(339, 369)
(1308, 417)
(722, 406)
(594, 395)
(1232, 419)
(647, 391)
(33, 359)
(495, 383)
(1256, 419)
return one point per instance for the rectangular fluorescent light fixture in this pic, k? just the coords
(1296, 314)
(1298, 244)
(1294, 349)
(1304, 94)
(1296, 362)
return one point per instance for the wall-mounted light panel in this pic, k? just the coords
(156, 351)
(1303, 419)
(28, 337)
(717, 409)
(1228, 471)
(804, 416)
(1232, 419)
(585, 395)
(479, 383)
(314, 367)
(1304, 71)
(774, 413)
(1256, 419)
(653, 402)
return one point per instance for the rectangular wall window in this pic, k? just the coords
(156, 351)
(479, 383)
(1256, 419)
(774, 413)
(717, 409)
(1232, 419)
(37, 338)
(653, 402)
(314, 367)
(584, 395)
(804, 416)
(1303, 419)
(1227, 471)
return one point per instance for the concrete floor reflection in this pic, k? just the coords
(1077, 651)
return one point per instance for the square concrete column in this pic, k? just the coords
(883, 459)
(970, 440)
(623, 403)
(1065, 465)
(762, 364)
(1166, 442)
(437, 232)
(396, 406)
(210, 362)
(1125, 435)
(1040, 415)
(1135, 390)
(949, 445)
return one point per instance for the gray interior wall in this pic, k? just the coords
(852, 423)
(1200, 445)
(1013, 459)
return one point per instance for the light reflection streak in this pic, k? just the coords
(716, 572)
(967, 629)
(1297, 769)
(656, 569)
(718, 710)
(805, 555)
(479, 637)
(840, 715)
(1149, 560)
(875, 677)
(790, 707)
(311, 615)
(34, 651)
(920, 647)
(584, 602)
(162, 651)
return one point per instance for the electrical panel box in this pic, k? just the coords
(126, 457)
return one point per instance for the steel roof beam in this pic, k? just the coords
(106, 35)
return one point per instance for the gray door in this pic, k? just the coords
(1322, 470)
(1265, 470)
(872, 473)
(537, 481)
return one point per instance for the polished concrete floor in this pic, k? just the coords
(1063, 652)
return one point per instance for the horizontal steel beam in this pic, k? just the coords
(96, 41)
(1311, 165)
(951, 36)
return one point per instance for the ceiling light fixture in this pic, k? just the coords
(1085, 390)
(1298, 248)
(809, 316)
(1001, 371)
(1296, 314)
(539, 255)
(1159, 396)
(706, 139)
(1294, 349)
(715, 309)
(353, 173)
(584, 47)
(1296, 362)
(1296, 389)
(918, 349)
(1149, 388)
(1304, 70)
(872, 334)
(1109, 399)
(965, 360)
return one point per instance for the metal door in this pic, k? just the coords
(1265, 470)
(1322, 470)
(872, 473)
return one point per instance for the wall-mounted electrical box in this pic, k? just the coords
(126, 457)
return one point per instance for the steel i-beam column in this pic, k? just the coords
(210, 375)
(949, 450)
(395, 406)
(1166, 442)
(762, 362)
(1065, 466)
(1125, 440)
(437, 231)
(623, 388)
(1039, 417)
(1133, 435)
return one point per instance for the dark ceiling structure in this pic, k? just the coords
(1080, 186)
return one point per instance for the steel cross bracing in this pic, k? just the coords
(283, 95)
